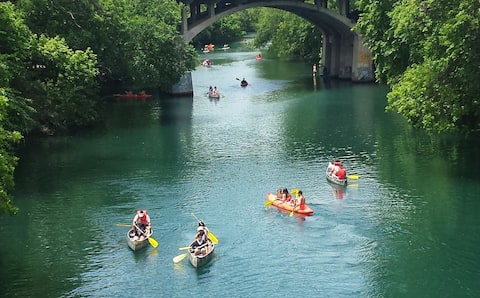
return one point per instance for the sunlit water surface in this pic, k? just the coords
(407, 228)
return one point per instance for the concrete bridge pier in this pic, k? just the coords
(345, 57)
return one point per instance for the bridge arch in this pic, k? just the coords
(343, 52)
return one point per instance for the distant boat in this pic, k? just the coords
(130, 95)
(214, 95)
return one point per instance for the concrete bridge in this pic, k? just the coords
(344, 54)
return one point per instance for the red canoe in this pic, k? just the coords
(305, 210)
(133, 95)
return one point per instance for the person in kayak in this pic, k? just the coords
(286, 196)
(300, 200)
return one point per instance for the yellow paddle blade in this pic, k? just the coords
(179, 258)
(123, 225)
(268, 203)
(153, 242)
(295, 190)
(184, 248)
(353, 177)
(212, 237)
(291, 213)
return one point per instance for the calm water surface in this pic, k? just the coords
(407, 228)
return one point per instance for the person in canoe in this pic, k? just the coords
(341, 173)
(336, 169)
(141, 224)
(200, 243)
(333, 167)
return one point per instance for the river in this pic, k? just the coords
(408, 227)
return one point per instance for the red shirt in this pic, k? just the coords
(341, 173)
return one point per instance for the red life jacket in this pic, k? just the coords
(144, 218)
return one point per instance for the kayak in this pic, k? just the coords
(305, 210)
(133, 95)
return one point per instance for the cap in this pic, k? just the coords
(199, 229)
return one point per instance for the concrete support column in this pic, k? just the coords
(345, 54)
(328, 56)
(343, 7)
(184, 87)
(184, 20)
(194, 11)
(211, 9)
(362, 65)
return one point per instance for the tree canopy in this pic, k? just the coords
(133, 39)
(428, 52)
(289, 35)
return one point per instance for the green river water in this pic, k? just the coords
(408, 227)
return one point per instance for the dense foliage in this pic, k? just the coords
(134, 40)
(288, 35)
(53, 54)
(429, 53)
(230, 28)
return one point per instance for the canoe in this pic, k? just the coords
(334, 179)
(136, 244)
(285, 206)
(198, 261)
(133, 95)
(214, 95)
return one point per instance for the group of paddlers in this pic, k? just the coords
(336, 168)
(286, 197)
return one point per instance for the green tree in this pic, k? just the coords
(230, 28)
(290, 35)
(14, 41)
(133, 39)
(43, 85)
(428, 52)
(63, 85)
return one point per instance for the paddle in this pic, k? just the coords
(179, 258)
(294, 206)
(270, 202)
(210, 234)
(353, 177)
(123, 225)
(152, 241)
(184, 247)
(291, 213)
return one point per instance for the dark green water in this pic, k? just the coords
(407, 228)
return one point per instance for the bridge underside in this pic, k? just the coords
(343, 52)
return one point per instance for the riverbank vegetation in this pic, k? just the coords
(55, 55)
(429, 53)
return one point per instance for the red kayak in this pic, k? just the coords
(133, 95)
(304, 210)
